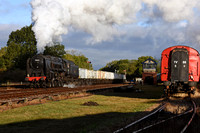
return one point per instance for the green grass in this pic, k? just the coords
(71, 116)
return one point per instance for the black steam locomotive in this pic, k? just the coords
(48, 71)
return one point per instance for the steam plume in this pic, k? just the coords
(53, 18)
(97, 17)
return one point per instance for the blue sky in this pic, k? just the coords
(149, 36)
(15, 12)
(13, 15)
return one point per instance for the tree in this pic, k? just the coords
(11, 57)
(3, 51)
(158, 64)
(23, 36)
(21, 45)
(2, 61)
(119, 66)
(133, 68)
(125, 66)
(79, 59)
(56, 50)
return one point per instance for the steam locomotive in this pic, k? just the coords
(48, 71)
(180, 69)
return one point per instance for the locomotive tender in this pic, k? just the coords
(48, 71)
(180, 69)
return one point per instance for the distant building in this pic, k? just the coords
(138, 80)
(149, 74)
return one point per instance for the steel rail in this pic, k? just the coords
(162, 121)
(195, 110)
(143, 118)
(26, 94)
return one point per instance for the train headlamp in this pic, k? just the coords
(191, 77)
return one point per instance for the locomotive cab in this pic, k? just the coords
(71, 69)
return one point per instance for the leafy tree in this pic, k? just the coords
(20, 46)
(126, 66)
(133, 68)
(111, 67)
(120, 66)
(79, 59)
(23, 36)
(158, 64)
(56, 50)
(2, 61)
(12, 55)
(3, 51)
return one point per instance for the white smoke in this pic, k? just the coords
(173, 10)
(52, 18)
(175, 18)
(69, 85)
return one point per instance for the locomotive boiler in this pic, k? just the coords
(180, 69)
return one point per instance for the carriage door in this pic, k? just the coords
(179, 65)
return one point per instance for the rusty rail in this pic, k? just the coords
(28, 94)
(193, 109)
(143, 118)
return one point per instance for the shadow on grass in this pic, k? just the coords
(104, 123)
(97, 123)
(144, 92)
(100, 123)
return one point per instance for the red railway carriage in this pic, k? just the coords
(180, 68)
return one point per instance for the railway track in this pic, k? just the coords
(20, 95)
(162, 121)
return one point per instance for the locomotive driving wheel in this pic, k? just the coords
(49, 84)
(31, 85)
(43, 84)
(60, 83)
(57, 83)
(52, 83)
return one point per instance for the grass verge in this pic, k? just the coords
(115, 109)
